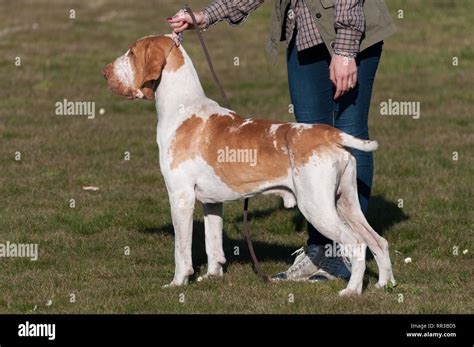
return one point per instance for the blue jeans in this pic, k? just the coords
(312, 95)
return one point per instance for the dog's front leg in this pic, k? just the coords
(213, 235)
(182, 207)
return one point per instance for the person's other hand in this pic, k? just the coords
(182, 21)
(343, 74)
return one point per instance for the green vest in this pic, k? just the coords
(378, 23)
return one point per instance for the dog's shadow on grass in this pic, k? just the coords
(235, 250)
(383, 214)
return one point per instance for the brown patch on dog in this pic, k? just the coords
(205, 138)
(305, 142)
(187, 143)
(174, 60)
(272, 161)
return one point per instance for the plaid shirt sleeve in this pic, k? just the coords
(349, 23)
(232, 11)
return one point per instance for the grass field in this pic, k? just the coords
(82, 249)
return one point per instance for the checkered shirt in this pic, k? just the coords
(349, 21)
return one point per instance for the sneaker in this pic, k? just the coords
(330, 268)
(303, 267)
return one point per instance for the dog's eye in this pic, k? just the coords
(131, 53)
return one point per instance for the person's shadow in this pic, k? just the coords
(382, 215)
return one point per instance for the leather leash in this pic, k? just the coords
(246, 233)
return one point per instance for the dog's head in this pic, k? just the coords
(136, 73)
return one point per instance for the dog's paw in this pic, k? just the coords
(349, 292)
(170, 285)
(209, 275)
(380, 284)
(176, 283)
(203, 277)
(386, 284)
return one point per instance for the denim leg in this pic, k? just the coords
(312, 94)
(311, 90)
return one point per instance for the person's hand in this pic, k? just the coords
(343, 74)
(182, 21)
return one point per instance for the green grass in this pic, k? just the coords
(82, 249)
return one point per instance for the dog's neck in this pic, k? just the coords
(177, 91)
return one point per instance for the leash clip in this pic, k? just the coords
(180, 37)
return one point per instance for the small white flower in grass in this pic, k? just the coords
(90, 188)
(49, 303)
(407, 260)
(465, 251)
(200, 278)
(101, 111)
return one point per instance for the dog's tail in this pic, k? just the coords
(354, 142)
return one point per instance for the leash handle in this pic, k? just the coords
(208, 57)
(246, 233)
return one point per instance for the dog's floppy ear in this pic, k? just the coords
(155, 60)
(154, 52)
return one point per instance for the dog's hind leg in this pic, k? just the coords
(213, 236)
(316, 190)
(349, 209)
(327, 222)
(182, 207)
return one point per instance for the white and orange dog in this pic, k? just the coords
(204, 154)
